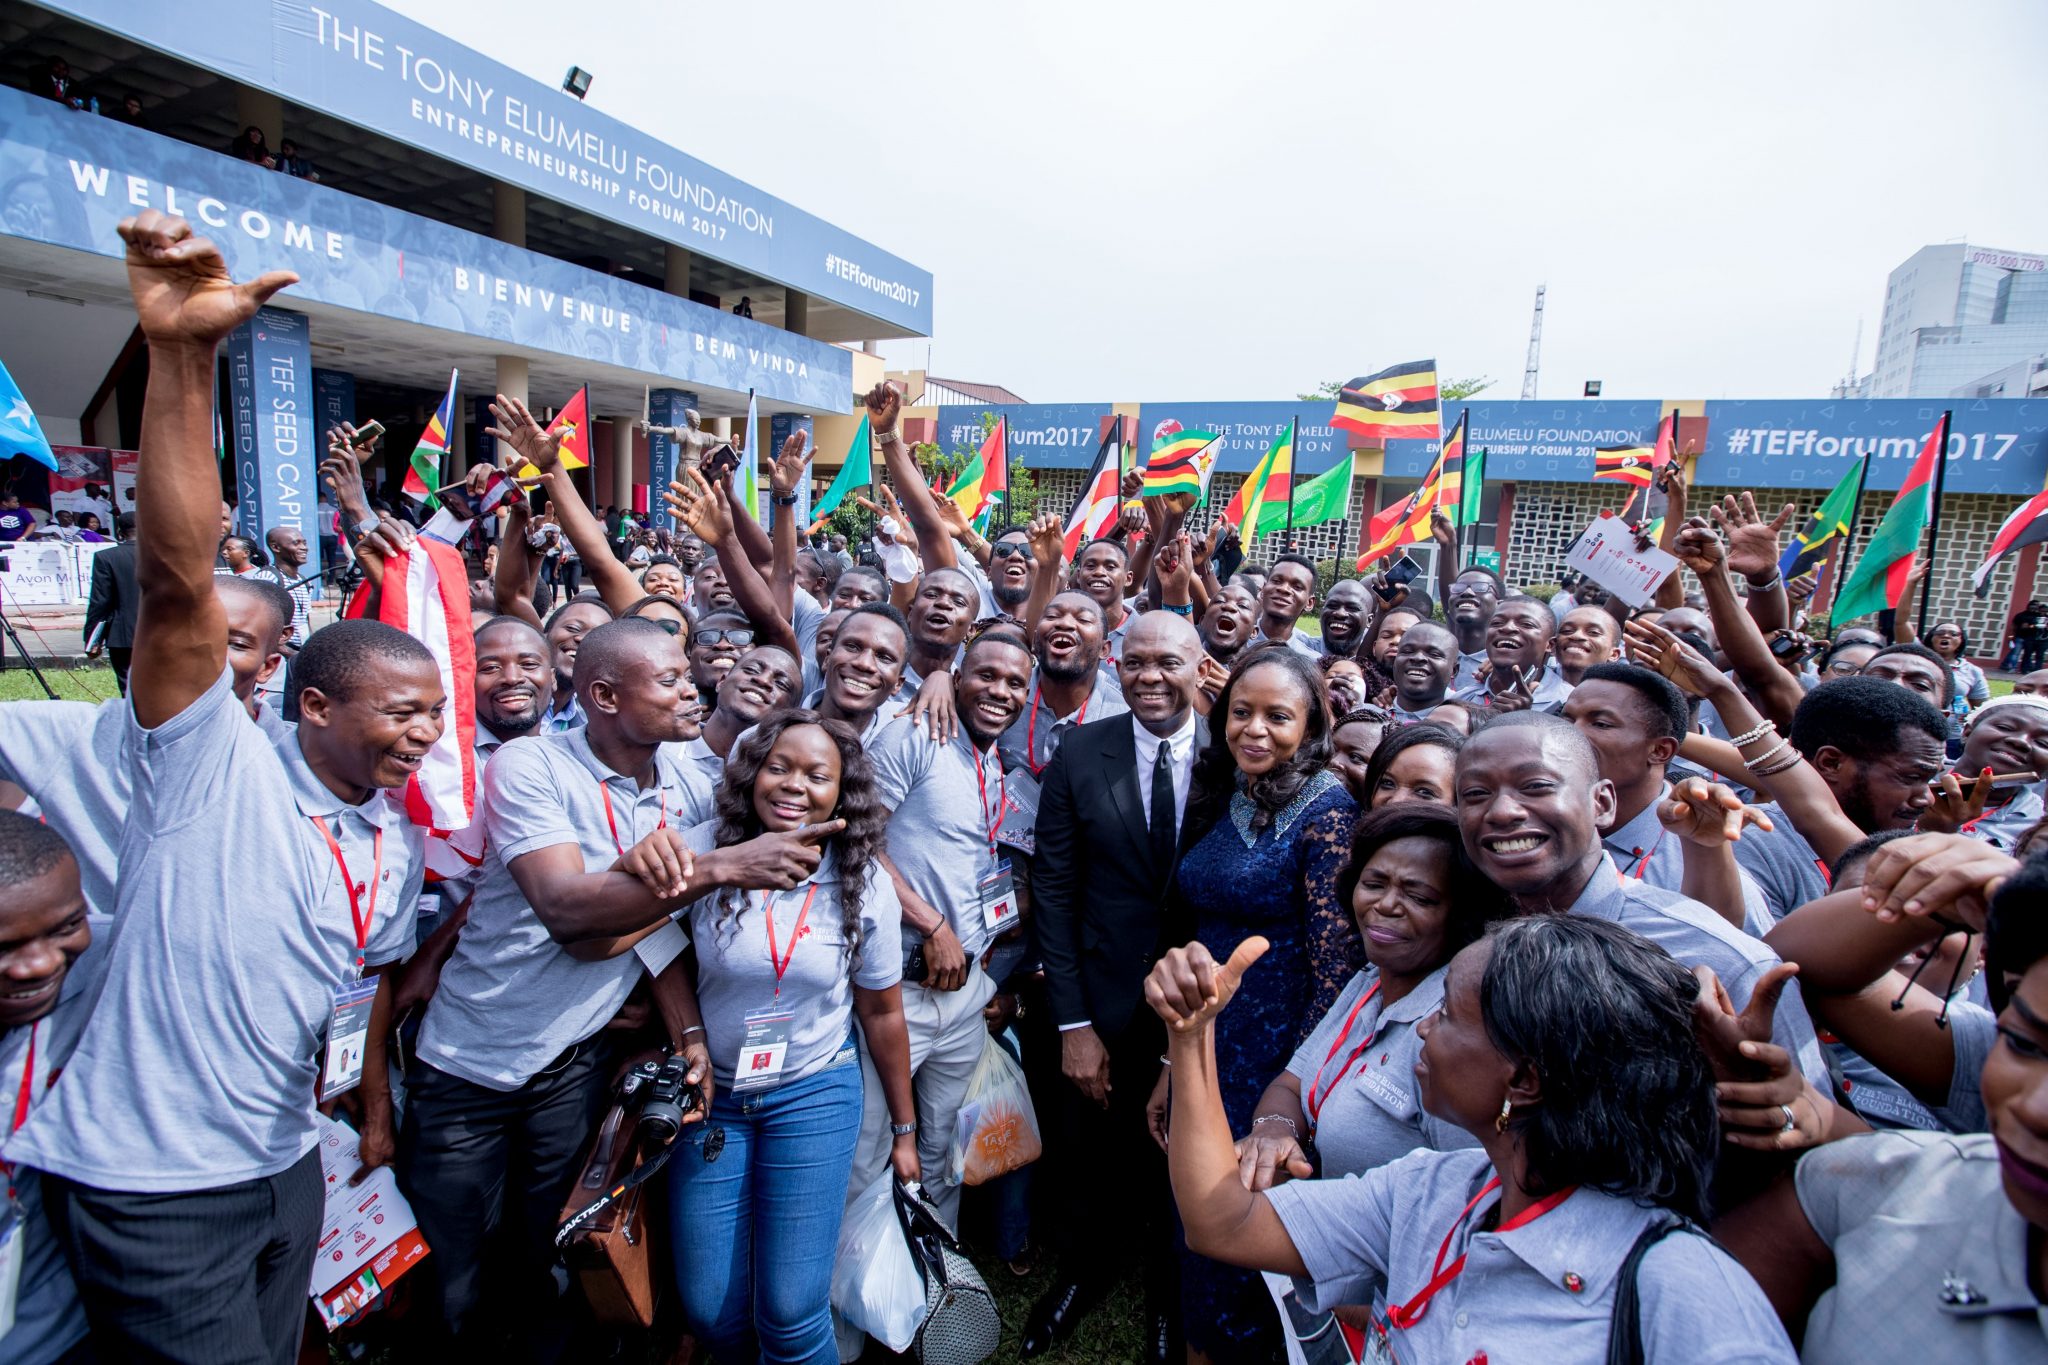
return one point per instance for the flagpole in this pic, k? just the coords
(1293, 448)
(1849, 536)
(1934, 518)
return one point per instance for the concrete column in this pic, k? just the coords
(796, 312)
(508, 213)
(719, 427)
(676, 273)
(622, 465)
(512, 374)
(261, 108)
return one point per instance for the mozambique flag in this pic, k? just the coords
(1879, 578)
(1326, 497)
(423, 475)
(1398, 402)
(1271, 481)
(986, 479)
(1406, 522)
(1828, 524)
(2028, 525)
(1450, 462)
(1629, 464)
(1182, 463)
(573, 422)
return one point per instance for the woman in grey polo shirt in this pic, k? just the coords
(1565, 1045)
(757, 1189)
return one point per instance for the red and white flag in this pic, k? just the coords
(1096, 510)
(2028, 525)
(426, 595)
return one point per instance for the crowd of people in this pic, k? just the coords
(1450, 976)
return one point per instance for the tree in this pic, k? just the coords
(1450, 391)
(1024, 496)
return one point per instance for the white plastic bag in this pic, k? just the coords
(997, 1131)
(875, 1285)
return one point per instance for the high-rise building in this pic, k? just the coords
(1954, 316)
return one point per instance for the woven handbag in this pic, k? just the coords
(962, 1325)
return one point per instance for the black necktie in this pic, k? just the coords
(1162, 829)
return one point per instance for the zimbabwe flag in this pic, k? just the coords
(1182, 463)
(1628, 464)
(1398, 402)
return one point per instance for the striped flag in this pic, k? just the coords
(1271, 481)
(1829, 523)
(1406, 522)
(1181, 463)
(423, 475)
(2028, 525)
(1628, 464)
(1096, 509)
(1398, 402)
(1879, 578)
(573, 421)
(1451, 464)
(986, 479)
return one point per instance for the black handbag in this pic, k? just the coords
(962, 1325)
(1625, 1330)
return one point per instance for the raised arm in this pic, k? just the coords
(791, 466)
(1777, 691)
(709, 515)
(518, 568)
(1708, 817)
(1753, 553)
(1671, 478)
(1048, 545)
(514, 424)
(186, 303)
(934, 546)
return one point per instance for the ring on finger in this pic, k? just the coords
(1791, 1122)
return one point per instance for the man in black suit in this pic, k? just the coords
(1110, 830)
(114, 599)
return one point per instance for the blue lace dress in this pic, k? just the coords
(1279, 882)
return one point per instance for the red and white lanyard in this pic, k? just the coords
(1031, 729)
(613, 825)
(21, 1099)
(1407, 1314)
(361, 914)
(995, 821)
(1318, 1093)
(1646, 854)
(781, 964)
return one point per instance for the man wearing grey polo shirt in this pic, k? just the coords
(764, 679)
(1069, 686)
(948, 801)
(1288, 595)
(258, 884)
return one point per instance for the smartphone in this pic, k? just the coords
(1404, 571)
(369, 433)
(721, 461)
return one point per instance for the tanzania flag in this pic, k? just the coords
(857, 471)
(2028, 525)
(423, 476)
(1182, 463)
(1096, 509)
(1326, 497)
(1398, 402)
(1271, 481)
(1629, 464)
(1879, 578)
(1829, 523)
(1473, 494)
(986, 477)
(1450, 463)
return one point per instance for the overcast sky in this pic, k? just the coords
(1201, 201)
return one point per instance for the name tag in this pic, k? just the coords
(762, 1051)
(11, 1253)
(999, 898)
(348, 1034)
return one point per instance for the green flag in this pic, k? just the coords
(857, 472)
(1879, 578)
(1326, 497)
(1472, 489)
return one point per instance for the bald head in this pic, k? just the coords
(612, 650)
(1160, 669)
(1163, 628)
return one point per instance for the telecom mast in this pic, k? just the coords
(1535, 348)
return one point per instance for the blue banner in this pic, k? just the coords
(1547, 442)
(665, 408)
(1247, 430)
(70, 178)
(334, 402)
(1995, 445)
(270, 378)
(365, 65)
(1042, 435)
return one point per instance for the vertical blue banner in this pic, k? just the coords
(780, 426)
(334, 402)
(665, 408)
(270, 375)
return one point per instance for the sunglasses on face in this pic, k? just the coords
(741, 638)
(1003, 549)
(672, 627)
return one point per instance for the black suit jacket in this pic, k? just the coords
(114, 598)
(1099, 901)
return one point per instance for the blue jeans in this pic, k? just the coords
(755, 1231)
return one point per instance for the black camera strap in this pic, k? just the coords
(567, 1232)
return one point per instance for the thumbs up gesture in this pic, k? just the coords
(1188, 989)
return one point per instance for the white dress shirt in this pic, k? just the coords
(1180, 749)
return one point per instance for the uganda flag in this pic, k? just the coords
(1397, 403)
(1450, 463)
(1628, 464)
(1407, 521)
(1182, 463)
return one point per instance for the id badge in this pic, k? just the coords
(762, 1051)
(348, 1035)
(999, 898)
(11, 1253)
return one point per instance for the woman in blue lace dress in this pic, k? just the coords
(1268, 866)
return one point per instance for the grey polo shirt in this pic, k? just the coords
(1307, 646)
(1930, 1256)
(942, 817)
(67, 755)
(1783, 865)
(1645, 850)
(511, 999)
(705, 760)
(2002, 826)
(1468, 670)
(1696, 936)
(735, 976)
(1034, 737)
(48, 1319)
(1375, 1237)
(233, 933)
(1368, 1106)
(1551, 693)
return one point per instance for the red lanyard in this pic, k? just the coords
(993, 822)
(613, 825)
(1315, 1102)
(1406, 1315)
(1646, 855)
(1031, 730)
(28, 1083)
(781, 964)
(356, 910)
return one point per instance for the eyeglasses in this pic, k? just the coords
(1003, 549)
(741, 638)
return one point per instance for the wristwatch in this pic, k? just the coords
(781, 501)
(902, 1129)
(363, 528)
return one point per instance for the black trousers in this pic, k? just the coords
(119, 656)
(211, 1277)
(1113, 1189)
(471, 1159)
(2031, 654)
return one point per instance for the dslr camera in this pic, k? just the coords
(661, 1095)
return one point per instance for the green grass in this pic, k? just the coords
(84, 684)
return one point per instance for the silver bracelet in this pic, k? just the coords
(1765, 586)
(1767, 755)
(1278, 1118)
(694, 1028)
(1752, 736)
